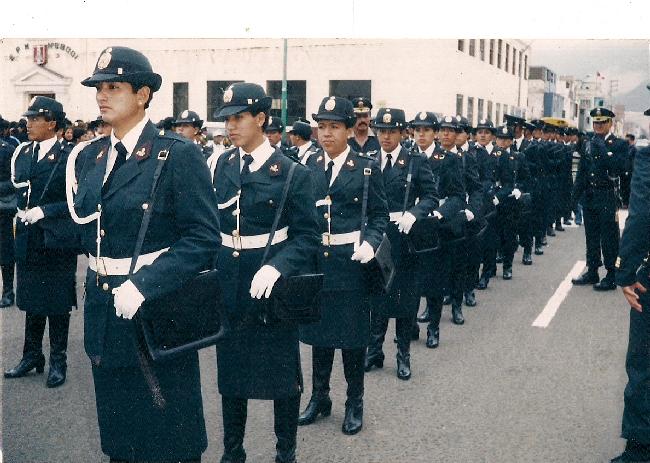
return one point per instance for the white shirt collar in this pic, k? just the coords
(429, 151)
(394, 155)
(45, 146)
(338, 162)
(303, 149)
(261, 154)
(465, 147)
(489, 147)
(131, 138)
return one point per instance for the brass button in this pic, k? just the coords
(326, 254)
(235, 233)
(326, 215)
(356, 200)
(271, 202)
(102, 233)
(105, 286)
(145, 206)
(235, 254)
(25, 194)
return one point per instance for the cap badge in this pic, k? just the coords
(422, 116)
(270, 120)
(504, 131)
(105, 59)
(360, 104)
(184, 114)
(448, 119)
(598, 112)
(387, 118)
(227, 95)
(330, 104)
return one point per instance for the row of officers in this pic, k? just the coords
(480, 199)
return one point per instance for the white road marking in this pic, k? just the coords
(544, 318)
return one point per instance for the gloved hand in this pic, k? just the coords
(495, 201)
(437, 215)
(127, 300)
(33, 215)
(516, 193)
(405, 223)
(363, 253)
(469, 214)
(263, 281)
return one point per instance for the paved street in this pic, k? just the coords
(497, 390)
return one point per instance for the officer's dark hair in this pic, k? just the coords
(266, 118)
(60, 122)
(138, 86)
(300, 136)
(630, 136)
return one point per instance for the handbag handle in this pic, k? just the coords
(278, 214)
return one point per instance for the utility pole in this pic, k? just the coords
(522, 71)
(284, 89)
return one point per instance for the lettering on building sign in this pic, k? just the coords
(41, 51)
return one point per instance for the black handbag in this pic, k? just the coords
(380, 271)
(294, 298)
(185, 320)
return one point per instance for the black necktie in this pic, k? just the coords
(328, 172)
(247, 162)
(389, 163)
(36, 149)
(120, 159)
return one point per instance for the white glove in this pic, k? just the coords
(405, 223)
(127, 300)
(516, 193)
(263, 281)
(469, 214)
(495, 201)
(363, 253)
(33, 215)
(437, 215)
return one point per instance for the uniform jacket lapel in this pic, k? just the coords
(346, 174)
(398, 167)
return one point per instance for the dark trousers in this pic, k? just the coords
(435, 310)
(235, 412)
(459, 259)
(489, 246)
(525, 231)
(507, 233)
(601, 234)
(474, 250)
(626, 178)
(378, 328)
(7, 258)
(34, 330)
(353, 362)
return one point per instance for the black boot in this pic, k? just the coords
(375, 355)
(538, 249)
(425, 316)
(403, 362)
(608, 283)
(433, 336)
(470, 299)
(33, 357)
(589, 277)
(234, 412)
(483, 281)
(59, 325)
(320, 402)
(544, 241)
(415, 330)
(526, 258)
(457, 313)
(8, 296)
(353, 370)
(285, 412)
(507, 272)
(558, 225)
(550, 231)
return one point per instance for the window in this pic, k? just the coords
(472, 47)
(351, 88)
(489, 111)
(296, 98)
(215, 96)
(514, 60)
(520, 60)
(507, 66)
(479, 116)
(482, 49)
(505, 109)
(499, 47)
(525, 66)
(459, 104)
(181, 98)
(491, 51)
(470, 110)
(497, 120)
(461, 45)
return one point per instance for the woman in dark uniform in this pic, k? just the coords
(45, 267)
(182, 240)
(7, 214)
(338, 174)
(260, 359)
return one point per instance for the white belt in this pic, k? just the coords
(109, 266)
(254, 241)
(341, 238)
(395, 216)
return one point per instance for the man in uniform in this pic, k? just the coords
(626, 176)
(300, 136)
(46, 264)
(188, 124)
(274, 131)
(362, 141)
(602, 159)
(7, 214)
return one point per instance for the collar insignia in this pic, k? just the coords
(401, 162)
(275, 169)
(51, 157)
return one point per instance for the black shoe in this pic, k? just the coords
(483, 282)
(27, 364)
(373, 360)
(550, 231)
(567, 222)
(433, 337)
(507, 273)
(499, 258)
(446, 300)
(316, 406)
(403, 364)
(470, 299)
(353, 421)
(589, 277)
(57, 373)
(559, 227)
(544, 242)
(457, 314)
(526, 258)
(7, 299)
(538, 250)
(425, 317)
(608, 283)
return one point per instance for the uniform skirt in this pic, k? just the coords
(6, 239)
(47, 289)
(132, 428)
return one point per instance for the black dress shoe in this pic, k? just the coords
(538, 250)
(608, 283)
(433, 338)
(27, 364)
(403, 365)
(559, 227)
(446, 300)
(470, 299)
(56, 375)
(550, 231)
(373, 360)
(507, 273)
(425, 317)
(483, 282)
(353, 421)
(544, 241)
(589, 277)
(316, 406)
(457, 314)
(7, 299)
(567, 222)
(526, 258)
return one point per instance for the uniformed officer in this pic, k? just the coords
(7, 213)
(551, 161)
(46, 266)
(633, 276)
(601, 161)
(300, 136)
(339, 175)
(536, 160)
(188, 124)
(362, 141)
(411, 195)
(260, 359)
(274, 131)
(114, 186)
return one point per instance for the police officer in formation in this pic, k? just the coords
(362, 141)
(407, 180)
(7, 213)
(46, 258)
(300, 137)
(146, 411)
(602, 159)
(188, 124)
